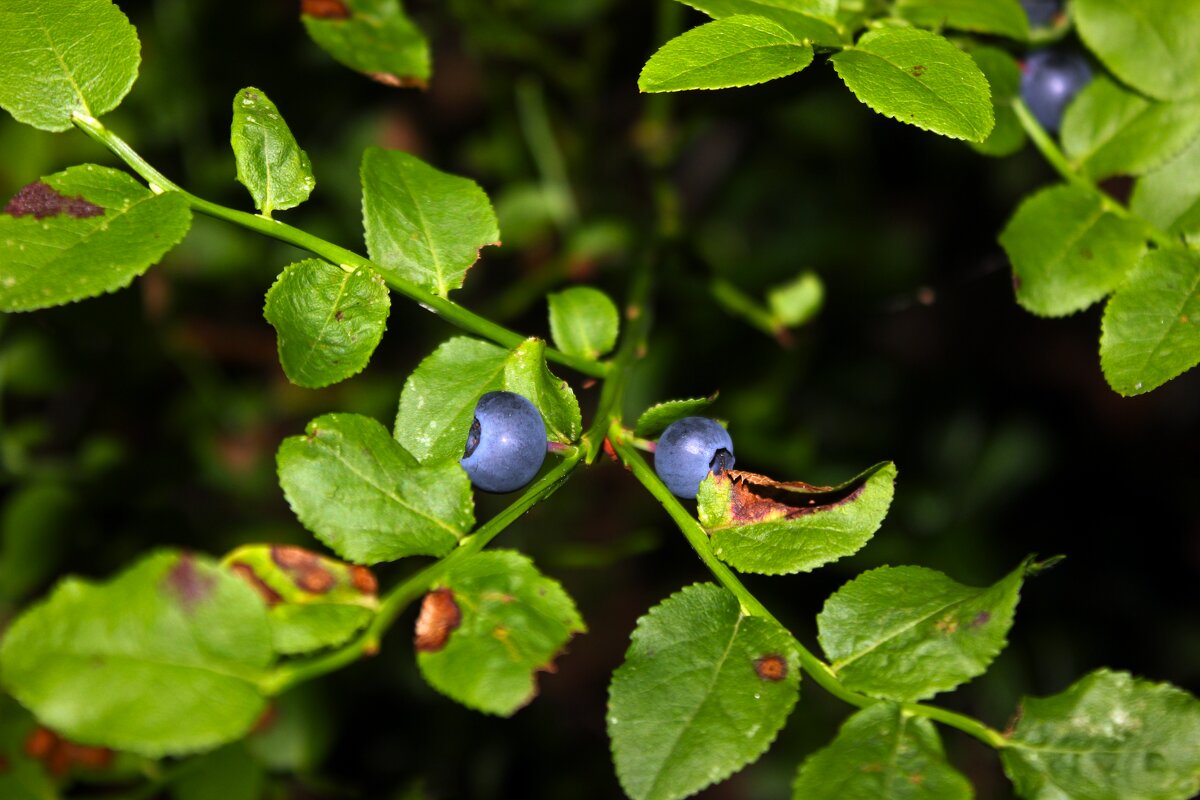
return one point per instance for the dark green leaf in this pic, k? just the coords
(1169, 197)
(297, 735)
(269, 161)
(230, 773)
(65, 57)
(22, 778)
(83, 232)
(808, 21)
(583, 321)
(1004, 76)
(328, 321)
(655, 419)
(33, 528)
(1001, 17)
(702, 693)
(1152, 45)
(374, 37)
(1109, 736)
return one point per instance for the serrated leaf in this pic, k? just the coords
(512, 623)
(81, 233)
(1108, 130)
(426, 224)
(920, 78)
(881, 753)
(907, 633)
(527, 374)
(328, 321)
(121, 663)
(374, 37)
(773, 528)
(1067, 252)
(1169, 197)
(62, 57)
(364, 496)
(1152, 45)
(735, 51)
(702, 693)
(655, 419)
(1151, 328)
(583, 321)
(808, 21)
(269, 161)
(1004, 76)
(1000, 17)
(1109, 736)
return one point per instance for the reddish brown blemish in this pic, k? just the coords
(39, 200)
(947, 624)
(363, 580)
(917, 70)
(304, 568)
(60, 755)
(315, 580)
(400, 82)
(608, 449)
(325, 9)
(771, 668)
(872, 767)
(982, 618)
(757, 498)
(916, 779)
(188, 584)
(439, 617)
(93, 758)
(266, 720)
(3, 764)
(339, 316)
(247, 573)
(40, 742)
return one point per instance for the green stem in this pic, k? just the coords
(535, 123)
(447, 309)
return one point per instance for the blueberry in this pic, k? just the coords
(1050, 81)
(1041, 12)
(688, 450)
(507, 443)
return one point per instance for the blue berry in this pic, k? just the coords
(688, 450)
(506, 444)
(1041, 12)
(1052, 78)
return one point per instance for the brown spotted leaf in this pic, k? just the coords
(374, 37)
(772, 527)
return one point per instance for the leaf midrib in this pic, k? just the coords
(897, 632)
(779, 43)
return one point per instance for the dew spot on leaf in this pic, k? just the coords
(771, 667)
(39, 200)
(439, 617)
(187, 584)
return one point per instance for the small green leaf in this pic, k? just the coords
(374, 37)
(808, 20)
(269, 161)
(62, 57)
(773, 528)
(230, 773)
(1000, 17)
(918, 77)
(583, 321)
(328, 321)
(363, 495)
(1108, 130)
(1152, 45)
(1169, 197)
(655, 419)
(702, 693)
(881, 753)
(83, 232)
(734, 51)
(426, 224)
(527, 374)
(907, 633)
(124, 664)
(494, 622)
(1151, 327)
(1067, 252)
(797, 301)
(1109, 736)
(34, 525)
(1004, 75)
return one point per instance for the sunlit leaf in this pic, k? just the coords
(269, 161)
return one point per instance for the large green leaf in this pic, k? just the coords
(83, 232)
(881, 753)
(1004, 76)
(761, 525)
(809, 21)
(1001, 17)
(1067, 252)
(426, 224)
(269, 161)
(328, 321)
(374, 37)
(363, 495)
(918, 77)
(907, 633)
(492, 623)
(735, 51)
(703, 692)
(655, 419)
(1152, 45)
(1109, 736)
(62, 57)
(1169, 197)
(1151, 327)
(163, 659)
(583, 321)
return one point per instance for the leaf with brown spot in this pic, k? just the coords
(440, 616)
(771, 668)
(188, 584)
(40, 201)
(374, 37)
(325, 9)
(772, 527)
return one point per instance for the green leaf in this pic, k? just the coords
(1152, 45)
(655, 419)
(735, 51)
(33, 531)
(1004, 75)
(797, 301)
(1001, 17)
(583, 321)
(426, 224)
(269, 161)
(1067, 252)
(1169, 197)
(918, 77)
(1109, 736)
(773, 528)
(438, 401)
(1108, 130)
(1151, 327)
(328, 321)
(374, 37)
(702, 693)
(63, 57)
(907, 633)
(230, 773)
(881, 753)
(363, 495)
(809, 21)
(83, 232)
(492, 624)
(124, 664)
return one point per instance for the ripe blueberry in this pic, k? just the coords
(1051, 79)
(507, 443)
(1041, 12)
(688, 450)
